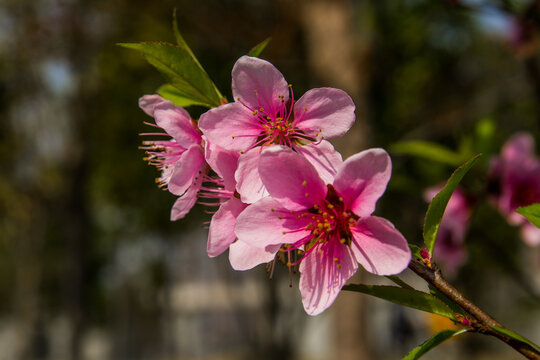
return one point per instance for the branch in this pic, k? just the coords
(482, 322)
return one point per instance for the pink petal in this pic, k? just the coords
(148, 102)
(321, 280)
(252, 74)
(324, 158)
(362, 179)
(266, 222)
(177, 123)
(185, 202)
(530, 234)
(379, 247)
(221, 232)
(248, 182)
(243, 256)
(187, 168)
(290, 178)
(231, 126)
(223, 162)
(520, 146)
(327, 111)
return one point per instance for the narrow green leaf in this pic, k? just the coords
(180, 70)
(436, 209)
(532, 213)
(398, 281)
(452, 305)
(183, 45)
(429, 344)
(407, 297)
(258, 49)
(171, 93)
(428, 150)
(515, 336)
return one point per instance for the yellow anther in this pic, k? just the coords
(307, 194)
(304, 183)
(255, 112)
(289, 264)
(342, 240)
(284, 233)
(340, 199)
(280, 217)
(339, 266)
(272, 210)
(305, 108)
(320, 226)
(336, 259)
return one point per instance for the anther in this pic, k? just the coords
(307, 194)
(304, 183)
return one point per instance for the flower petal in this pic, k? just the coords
(243, 256)
(223, 162)
(327, 111)
(258, 84)
(379, 247)
(324, 158)
(321, 279)
(177, 123)
(248, 182)
(519, 147)
(187, 168)
(530, 234)
(231, 126)
(266, 222)
(184, 203)
(362, 179)
(221, 232)
(290, 178)
(148, 102)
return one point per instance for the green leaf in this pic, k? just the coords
(452, 305)
(258, 49)
(429, 344)
(181, 71)
(171, 93)
(399, 282)
(428, 150)
(515, 336)
(183, 45)
(436, 209)
(532, 213)
(407, 297)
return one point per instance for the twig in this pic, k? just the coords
(482, 321)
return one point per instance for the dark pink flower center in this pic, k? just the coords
(278, 126)
(329, 228)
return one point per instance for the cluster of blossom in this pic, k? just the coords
(515, 181)
(281, 190)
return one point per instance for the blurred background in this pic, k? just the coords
(92, 268)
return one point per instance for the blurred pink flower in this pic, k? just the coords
(263, 115)
(517, 173)
(179, 156)
(449, 249)
(331, 225)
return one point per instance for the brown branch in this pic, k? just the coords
(482, 322)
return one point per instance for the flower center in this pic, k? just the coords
(329, 228)
(278, 125)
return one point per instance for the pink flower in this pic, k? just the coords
(331, 224)
(221, 234)
(263, 115)
(179, 156)
(449, 250)
(517, 172)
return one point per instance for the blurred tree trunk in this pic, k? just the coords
(338, 52)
